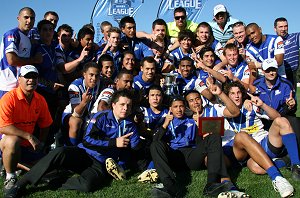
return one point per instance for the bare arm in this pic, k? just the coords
(14, 59)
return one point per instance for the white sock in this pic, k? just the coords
(10, 175)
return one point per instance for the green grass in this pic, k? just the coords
(258, 186)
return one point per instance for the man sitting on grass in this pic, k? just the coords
(109, 135)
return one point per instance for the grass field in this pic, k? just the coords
(258, 186)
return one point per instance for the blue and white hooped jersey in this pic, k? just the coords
(213, 110)
(272, 46)
(249, 122)
(241, 71)
(177, 55)
(153, 120)
(190, 83)
(76, 90)
(17, 42)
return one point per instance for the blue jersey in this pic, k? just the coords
(277, 95)
(153, 120)
(291, 48)
(100, 137)
(181, 133)
(272, 46)
(47, 69)
(17, 42)
(189, 83)
(139, 83)
(137, 46)
(177, 55)
(213, 110)
(76, 90)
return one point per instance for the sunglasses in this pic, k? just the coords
(179, 17)
(31, 75)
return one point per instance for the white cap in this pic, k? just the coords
(27, 69)
(268, 63)
(219, 8)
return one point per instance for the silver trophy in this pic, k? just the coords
(170, 85)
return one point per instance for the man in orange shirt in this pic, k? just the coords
(20, 110)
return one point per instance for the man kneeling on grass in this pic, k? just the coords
(110, 135)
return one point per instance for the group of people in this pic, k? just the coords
(112, 107)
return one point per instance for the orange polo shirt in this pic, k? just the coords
(15, 110)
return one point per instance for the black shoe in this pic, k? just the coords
(160, 193)
(214, 189)
(13, 192)
(296, 172)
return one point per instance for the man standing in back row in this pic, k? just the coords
(16, 48)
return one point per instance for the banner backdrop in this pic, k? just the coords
(113, 11)
(192, 7)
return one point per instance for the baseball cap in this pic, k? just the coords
(219, 8)
(268, 63)
(28, 69)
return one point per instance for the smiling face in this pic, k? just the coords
(239, 33)
(122, 108)
(91, 77)
(254, 34)
(114, 39)
(185, 68)
(282, 28)
(180, 19)
(148, 70)
(28, 83)
(232, 57)
(128, 62)
(270, 74)
(203, 34)
(186, 43)
(107, 68)
(208, 59)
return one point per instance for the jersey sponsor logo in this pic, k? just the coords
(277, 92)
(10, 38)
(110, 126)
(280, 45)
(73, 94)
(189, 125)
(201, 83)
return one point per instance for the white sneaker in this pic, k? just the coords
(283, 186)
(114, 169)
(149, 175)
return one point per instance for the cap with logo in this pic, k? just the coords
(219, 8)
(268, 63)
(28, 69)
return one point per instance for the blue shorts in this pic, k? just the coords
(265, 144)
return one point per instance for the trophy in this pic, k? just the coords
(170, 84)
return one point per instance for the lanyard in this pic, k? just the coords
(172, 129)
(50, 55)
(237, 127)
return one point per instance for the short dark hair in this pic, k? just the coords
(186, 34)
(229, 85)
(126, 19)
(84, 31)
(28, 9)
(159, 22)
(179, 9)
(105, 23)
(123, 72)
(44, 22)
(87, 65)
(66, 28)
(251, 25)
(155, 87)
(90, 26)
(104, 57)
(52, 13)
(176, 98)
(148, 59)
(187, 58)
(204, 50)
(280, 19)
(120, 93)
